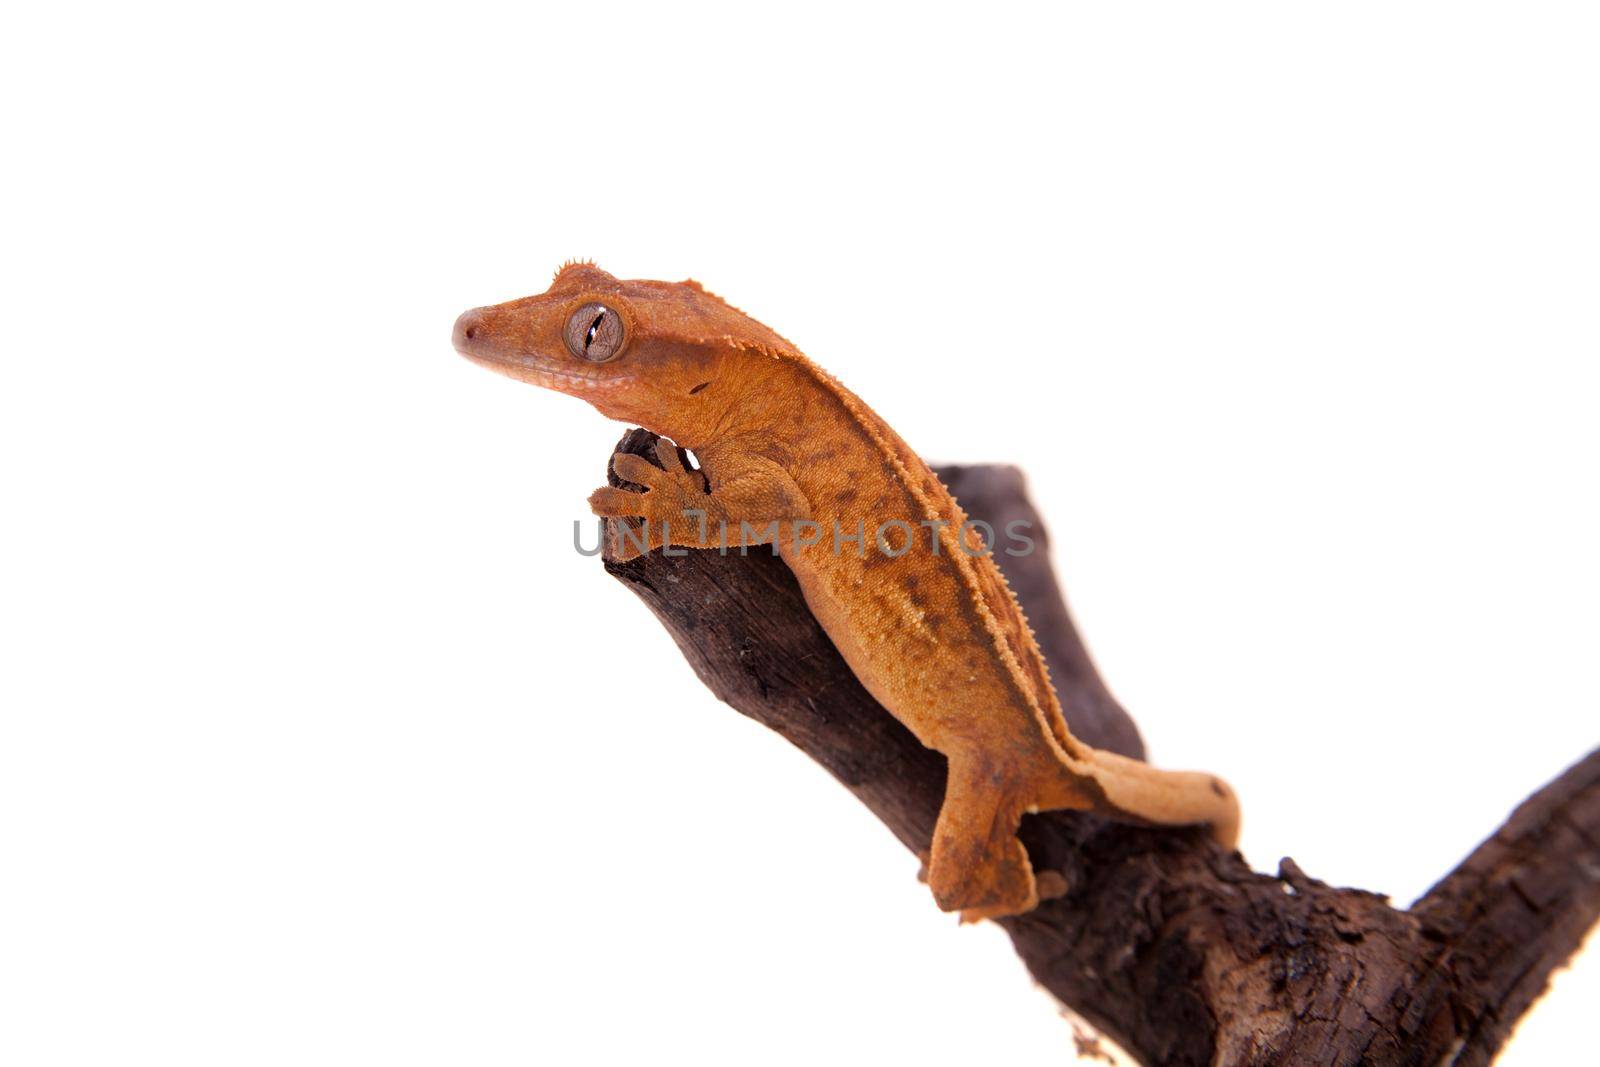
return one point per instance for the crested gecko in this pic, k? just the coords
(902, 584)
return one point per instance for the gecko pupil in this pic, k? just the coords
(594, 332)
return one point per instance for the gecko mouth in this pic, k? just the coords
(536, 372)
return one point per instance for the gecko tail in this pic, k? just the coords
(1137, 792)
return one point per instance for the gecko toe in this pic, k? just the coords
(612, 503)
(636, 469)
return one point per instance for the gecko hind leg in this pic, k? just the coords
(976, 864)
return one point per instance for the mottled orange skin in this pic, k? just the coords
(933, 633)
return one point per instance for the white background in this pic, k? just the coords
(319, 743)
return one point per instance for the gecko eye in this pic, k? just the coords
(594, 332)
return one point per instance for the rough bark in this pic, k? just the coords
(1173, 947)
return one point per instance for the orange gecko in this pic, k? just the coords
(900, 581)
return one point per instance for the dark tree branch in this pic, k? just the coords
(1516, 908)
(1170, 945)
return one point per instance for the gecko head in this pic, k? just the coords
(646, 352)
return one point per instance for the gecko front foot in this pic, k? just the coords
(672, 505)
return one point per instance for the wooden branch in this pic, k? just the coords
(1171, 946)
(1516, 908)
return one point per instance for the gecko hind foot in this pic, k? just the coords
(977, 866)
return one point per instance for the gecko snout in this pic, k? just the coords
(466, 330)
